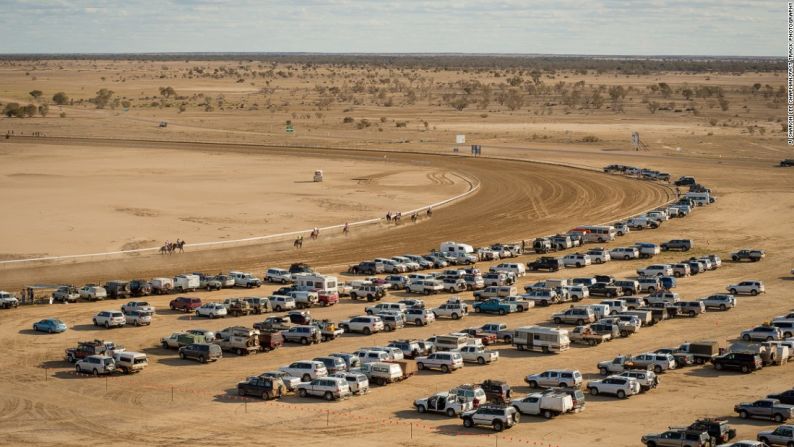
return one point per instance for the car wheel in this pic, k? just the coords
(533, 384)
(657, 369)
(744, 415)
(621, 394)
(508, 339)
(746, 337)
(95, 372)
(753, 292)
(723, 307)
(498, 426)
(468, 423)
(450, 412)
(579, 322)
(558, 320)
(733, 291)
(547, 414)
(328, 396)
(445, 369)
(651, 444)
(481, 360)
(367, 331)
(302, 392)
(745, 369)
(594, 391)
(278, 308)
(306, 378)
(420, 366)
(49, 330)
(77, 369)
(501, 312)
(304, 341)
(422, 409)
(202, 359)
(691, 313)
(455, 316)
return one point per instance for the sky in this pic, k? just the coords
(601, 27)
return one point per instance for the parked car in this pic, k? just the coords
(766, 409)
(203, 352)
(786, 397)
(445, 361)
(277, 275)
(419, 317)
(622, 387)
(677, 244)
(454, 310)
(130, 362)
(211, 310)
(746, 288)
(110, 318)
(265, 387)
(497, 416)
(95, 364)
(782, 435)
(546, 405)
(307, 370)
(138, 317)
(50, 326)
(366, 324)
(329, 388)
(185, 304)
(744, 362)
(444, 402)
(548, 263)
(748, 255)
(762, 333)
(648, 380)
(678, 437)
(478, 354)
(555, 378)
(721, 301)
(577, 260)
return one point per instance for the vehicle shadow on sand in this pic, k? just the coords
(32, 332)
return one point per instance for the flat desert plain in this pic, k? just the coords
(520, 197)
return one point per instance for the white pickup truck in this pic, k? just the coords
(478, 354)
(304, 298)
(546, 405)
(8, 300)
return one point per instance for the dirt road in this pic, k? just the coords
(516, 200)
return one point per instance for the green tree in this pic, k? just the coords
(11, 109)
(514, 99)
(60, 98)
(36, 94)
(29, 110)
(102, 98)
(167, 92)
(44, 109)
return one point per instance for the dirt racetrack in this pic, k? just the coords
(517, 200)
(177, 402)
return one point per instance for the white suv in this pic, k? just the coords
(555, 377)
(577, 260)
(599, 255)
(426, 286)
(621, 387)
(624, 253)
(282, 302)
(329, 388)
(278, 275)
(307, 370)
(656, 270)
(96, 365)
(452, 310)
(746, 288)
(366, 324)
(445, 361)
(719, 301)
(110, 318)
(211, 310)
(137, 305)
(380, 307)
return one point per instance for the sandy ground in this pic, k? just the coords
(44, 403)
(90, 199)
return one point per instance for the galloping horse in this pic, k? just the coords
(298, 242)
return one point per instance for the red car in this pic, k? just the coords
(486, 337)
(185, 304)
(327, 298)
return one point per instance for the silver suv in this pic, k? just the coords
(497, 416)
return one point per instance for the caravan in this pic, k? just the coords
(544, 339)
(700, 198)
(462, 253)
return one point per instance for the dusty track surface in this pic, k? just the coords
(516, 200)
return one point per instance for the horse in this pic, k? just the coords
(298, 242)
(180, 246)
(413, 217)
(346, 229)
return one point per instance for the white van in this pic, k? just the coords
(700, 198)
(515, 268)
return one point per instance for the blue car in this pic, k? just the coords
(668, 282)
(50, 325)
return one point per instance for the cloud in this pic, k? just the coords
(712, 27)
